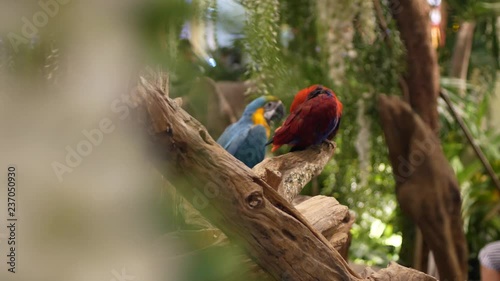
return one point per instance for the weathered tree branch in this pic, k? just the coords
(233, 198)
(325, 214)
(330, 218)
(396, 272)
(289, 173)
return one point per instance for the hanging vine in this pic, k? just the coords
(335, 21)
(367, 22)
(261, 43)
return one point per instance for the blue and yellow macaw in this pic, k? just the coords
(246, 139)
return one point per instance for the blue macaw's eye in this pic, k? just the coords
(268, 105)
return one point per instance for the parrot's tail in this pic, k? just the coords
(275, 147)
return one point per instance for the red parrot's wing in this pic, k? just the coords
(310, 124)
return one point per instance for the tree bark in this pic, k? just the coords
(426, 186)
(325, 214)
(422, 77)
(438, 216)
(332, 220)
(289, 173)
(250, 212)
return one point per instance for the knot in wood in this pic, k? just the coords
(204, 136)
(255, 200)
(347, 217)
(169, 131)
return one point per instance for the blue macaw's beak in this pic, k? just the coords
(274, 111)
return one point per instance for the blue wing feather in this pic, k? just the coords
(237, 140)
(245, 141)
(252, 148)
(227, 135)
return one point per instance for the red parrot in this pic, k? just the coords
(314, 117)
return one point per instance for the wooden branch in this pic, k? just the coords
(208, 242)
(290, 172)
(213, 241)
(330, 218)
(426, 187)
(396, 272)
(325, 214)
(231, 196)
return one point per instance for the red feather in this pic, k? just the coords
(315, 116)
(301, 97)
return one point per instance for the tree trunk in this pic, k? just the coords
(422, 77)
(426, 186)
(432, 201)
(288, 175)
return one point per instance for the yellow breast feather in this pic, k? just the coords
(258, 119)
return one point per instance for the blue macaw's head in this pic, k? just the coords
(268, 107)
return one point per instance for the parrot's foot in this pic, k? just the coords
(331, 143)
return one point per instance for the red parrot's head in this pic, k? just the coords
(301, 97)
(309, 93)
